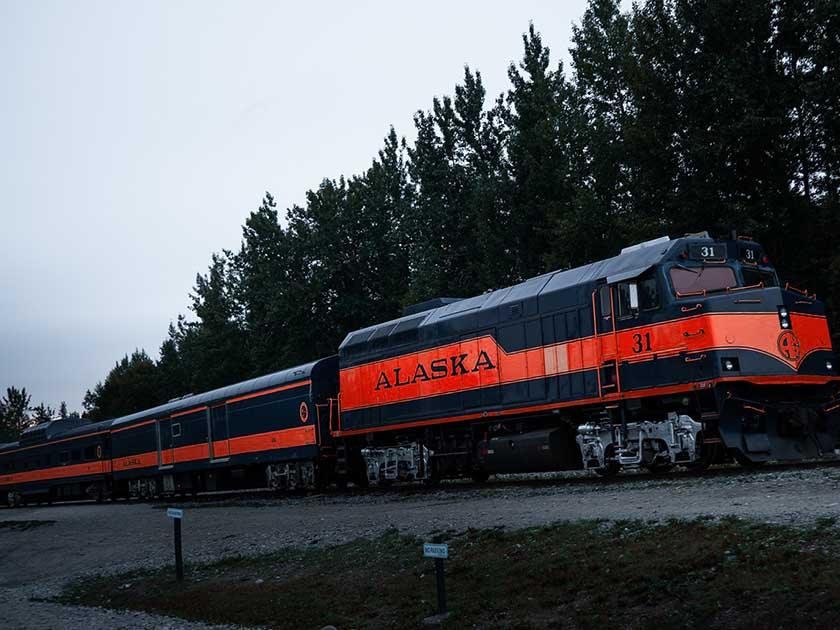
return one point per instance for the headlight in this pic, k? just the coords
(730, 364)
(829, 366)
(784, 318)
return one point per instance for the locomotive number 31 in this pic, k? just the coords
(641, 342)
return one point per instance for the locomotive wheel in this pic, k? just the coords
(480, 476)
(708, 455)
(611, 466)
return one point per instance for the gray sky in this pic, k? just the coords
(135, 137)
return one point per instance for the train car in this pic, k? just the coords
(57, 460)
(675, 351)
(272, 430)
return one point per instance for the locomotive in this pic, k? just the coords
(675, 352)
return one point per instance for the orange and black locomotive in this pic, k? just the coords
(675, 351)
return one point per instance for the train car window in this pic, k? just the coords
(625, 307)
(64, 457)
(648, 294)
(90, 452)
(753, 277)
(604, 300)
(693, 280)
(176, 429)
(76, 455)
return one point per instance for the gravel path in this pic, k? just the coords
(86, 539)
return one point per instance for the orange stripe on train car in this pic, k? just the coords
(266, 392)
(610, 398)
(98, 467)
(283, 438)
(482, 362)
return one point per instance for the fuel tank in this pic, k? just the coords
(543, 450)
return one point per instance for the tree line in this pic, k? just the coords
(675, 116)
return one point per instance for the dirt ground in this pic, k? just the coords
(42, 548)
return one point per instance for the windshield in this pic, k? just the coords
(753, 277)
(705, 279)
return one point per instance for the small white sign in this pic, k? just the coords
(175, 513)
(431, 550)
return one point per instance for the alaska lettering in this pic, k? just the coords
(443, 367)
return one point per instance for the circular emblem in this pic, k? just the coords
(304, 412)
(789, 345)
(99, 451)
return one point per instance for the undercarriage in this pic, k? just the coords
(608, 447)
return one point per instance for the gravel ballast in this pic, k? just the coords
(43, 548)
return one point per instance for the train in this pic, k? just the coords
(686, 351)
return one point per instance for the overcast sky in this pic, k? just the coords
(135, 137)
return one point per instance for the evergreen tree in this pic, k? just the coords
(14, 414)
(42, 413)
(541, 121)
(214, 348)
(132, 385)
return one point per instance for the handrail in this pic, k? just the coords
(695, 359)
(790, 287)
(690, 309)
(760, 285)
(701, 292)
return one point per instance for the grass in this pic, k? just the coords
(681, 574)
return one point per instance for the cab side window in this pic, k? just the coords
(625, 306)
(637, 296)
(648, 294)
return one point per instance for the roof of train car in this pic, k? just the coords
(275, 379)
(630, 263)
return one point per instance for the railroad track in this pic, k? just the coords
(533, 480)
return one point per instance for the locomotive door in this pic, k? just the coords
(165, 444)
(607, 342)
(478, 370)
(219, 434)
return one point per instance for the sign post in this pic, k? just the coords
(176, 515)
(439, 551)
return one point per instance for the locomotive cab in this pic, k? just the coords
(757, 354)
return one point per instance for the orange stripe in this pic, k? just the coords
(365, 385)
(75, 437)
(641, 393)
(188, 411)
(141, 460)
(273, 390)
(285, 438)
(134, 426)
(98, 467)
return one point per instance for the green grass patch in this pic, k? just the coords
(681, 574)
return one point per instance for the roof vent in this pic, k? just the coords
(428, 305)
(657, 241)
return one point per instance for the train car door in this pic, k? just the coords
(165, 443)
(606, 346)
(218, 432)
